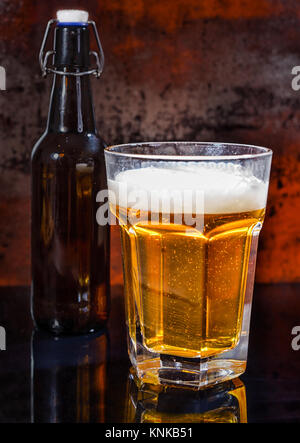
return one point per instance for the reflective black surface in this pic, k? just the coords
(86, 378)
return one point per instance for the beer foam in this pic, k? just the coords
(219, 187)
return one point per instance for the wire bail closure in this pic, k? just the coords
(44, 58)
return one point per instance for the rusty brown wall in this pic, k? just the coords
(175, 69)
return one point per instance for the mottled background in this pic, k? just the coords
(175, 69)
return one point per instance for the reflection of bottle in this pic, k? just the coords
(70, 250)
(68, 378)
(223, 403)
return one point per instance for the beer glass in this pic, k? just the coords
(190, 214)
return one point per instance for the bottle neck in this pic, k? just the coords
(71, 105)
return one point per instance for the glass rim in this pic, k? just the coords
(115, 150)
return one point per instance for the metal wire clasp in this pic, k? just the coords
(43, 58)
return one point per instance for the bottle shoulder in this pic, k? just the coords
(69, 145)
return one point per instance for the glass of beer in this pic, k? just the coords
(190, 214)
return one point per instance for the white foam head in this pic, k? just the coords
(72, 16)
(223, 187)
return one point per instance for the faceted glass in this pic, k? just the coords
(190, 215)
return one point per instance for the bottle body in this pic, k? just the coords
(70, 251)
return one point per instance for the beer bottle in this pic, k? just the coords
(70, 250)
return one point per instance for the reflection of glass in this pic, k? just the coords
(68, 378)
(190, 215)
(222, 403)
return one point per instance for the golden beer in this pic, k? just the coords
(186, 287)
(190, 214)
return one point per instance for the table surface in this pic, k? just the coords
(85, 378)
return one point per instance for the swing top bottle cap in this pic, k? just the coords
(72, 16)
(72, 47)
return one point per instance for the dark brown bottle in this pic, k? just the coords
(70, 250)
